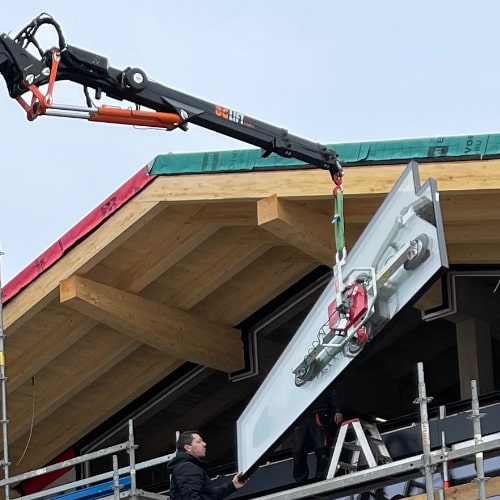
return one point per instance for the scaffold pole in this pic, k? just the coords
(422, 401)
(3, 384)
(476, 416)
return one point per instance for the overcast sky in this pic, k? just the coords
(327, 70)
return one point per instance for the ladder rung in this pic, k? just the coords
(352, 446)
(346, 466)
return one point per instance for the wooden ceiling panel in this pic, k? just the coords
(166, 223)
(209, 266)
(256, 285)
(52, 318)
(470, 206)
(224, 213)
(467, 232)
(94, 404)
(52, 387)
(116, 264)
(474, 253)
(174, 245)
(49, 346)
(359, 210)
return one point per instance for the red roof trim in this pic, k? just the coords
(80, 231)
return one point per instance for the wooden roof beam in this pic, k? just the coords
(174, 331)
(302, 228)
(452, 177)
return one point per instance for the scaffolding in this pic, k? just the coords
(121, 481)
(408, 469)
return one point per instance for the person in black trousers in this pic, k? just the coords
(316, 428)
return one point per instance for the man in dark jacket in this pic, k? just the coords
(315, 429)
(188, 478)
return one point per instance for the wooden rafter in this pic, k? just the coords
(173, 331)
(298, 226)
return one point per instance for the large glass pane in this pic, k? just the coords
(401, 251)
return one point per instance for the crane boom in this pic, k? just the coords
(167, 108)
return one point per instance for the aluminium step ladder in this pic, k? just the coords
(367, 448)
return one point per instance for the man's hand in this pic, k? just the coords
(238, 481)
(338, 417)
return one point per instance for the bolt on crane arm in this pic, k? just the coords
(166, 108)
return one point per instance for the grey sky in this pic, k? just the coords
(327, 70)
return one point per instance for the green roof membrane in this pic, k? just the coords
(350, 154)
